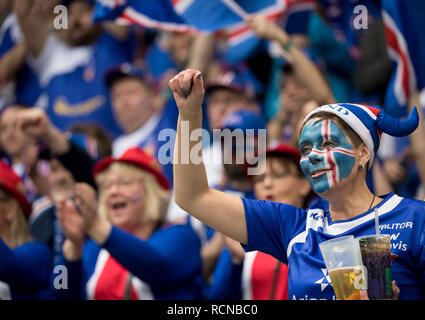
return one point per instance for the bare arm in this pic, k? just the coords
(417, 138)
(12, 61)
(33, 17)
(35, 123)
(201, 52)
(304, 68)
(223, 212)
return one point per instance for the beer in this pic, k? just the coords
(376, 255)
(347, 282)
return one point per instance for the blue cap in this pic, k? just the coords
(124, 70)
(240, 79)
(244, 119)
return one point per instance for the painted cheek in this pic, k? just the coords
(319, 184)
(340, 158)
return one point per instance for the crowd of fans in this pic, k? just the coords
(82, 181)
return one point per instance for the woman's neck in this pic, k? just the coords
(4, 235)
(143, 231)
(348, 203)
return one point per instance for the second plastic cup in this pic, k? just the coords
(376, 256)
(344, 264)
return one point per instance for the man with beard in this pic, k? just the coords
(70, 63)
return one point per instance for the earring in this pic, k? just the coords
(362, 166)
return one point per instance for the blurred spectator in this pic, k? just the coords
(235, 180)
(234, 89)
(302, 79)
(130, 253)
(25, 266)
(18, 82)
(140, 112)
(70, 63)
(19, 150)
(65, 163)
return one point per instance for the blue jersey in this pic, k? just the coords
(27, 86)
(25, 271)
(156, 136)
(73, 80)
(166, 266)
(292, 235)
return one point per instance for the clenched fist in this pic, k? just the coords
(188, 90)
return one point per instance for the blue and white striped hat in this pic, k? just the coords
(369, 122)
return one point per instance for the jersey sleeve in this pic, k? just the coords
(27, 266)
(169, 258)
(271, 226)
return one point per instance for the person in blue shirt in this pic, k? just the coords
(25, 265)
(256, 275)
(141, 113)
(70, 63)
(337, 144)
(129, 253)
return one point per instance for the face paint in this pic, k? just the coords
(327, 156)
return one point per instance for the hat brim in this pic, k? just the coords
(216, 85)
(103, 164)
(22, 200)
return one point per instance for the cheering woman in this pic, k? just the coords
(337, 144)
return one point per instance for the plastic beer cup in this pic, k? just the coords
(376, 256)
(344, 264)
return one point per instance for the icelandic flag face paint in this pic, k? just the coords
(327, 157)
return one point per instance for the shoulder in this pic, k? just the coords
(176, 233)
(270, 207)
(41, 207)
(33, 249)
(408, 205)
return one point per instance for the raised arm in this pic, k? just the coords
(34, 17)
(221, 211)
(12, 61)
(304, 68)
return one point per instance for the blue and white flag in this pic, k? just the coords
(158, 14)
(404, 27)
(292, 15)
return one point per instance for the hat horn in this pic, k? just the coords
(396, 127)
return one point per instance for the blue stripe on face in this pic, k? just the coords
(327, 155)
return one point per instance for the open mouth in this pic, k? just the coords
(269, 198)
(318, 173)
(119, 205)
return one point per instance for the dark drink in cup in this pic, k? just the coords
(376, 256)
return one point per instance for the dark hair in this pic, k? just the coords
(104, 141)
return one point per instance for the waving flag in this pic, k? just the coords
(404, 27)
(292, 15)
(157, 14)
(206, 15)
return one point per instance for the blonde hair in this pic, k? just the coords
(156, 197)
(19, 232)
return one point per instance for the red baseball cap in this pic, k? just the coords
(285, 150)
(139, 158)
(12, 184)
(282, 150)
